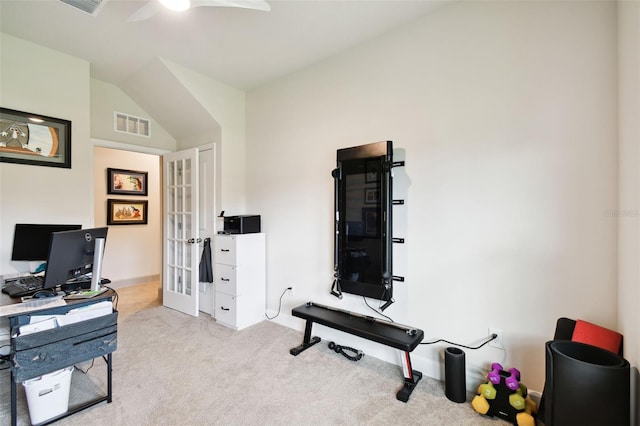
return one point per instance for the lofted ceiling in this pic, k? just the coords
(239, 47)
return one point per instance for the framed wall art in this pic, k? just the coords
(371, 195)
(127, 182)
(34, 139)
(126, 212)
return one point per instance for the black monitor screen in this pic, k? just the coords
(31, 241)
(71, 255)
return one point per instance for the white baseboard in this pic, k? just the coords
(134, 281)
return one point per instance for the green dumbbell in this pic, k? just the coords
(488, 391)
(517, 401)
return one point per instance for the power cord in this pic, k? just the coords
(4, 359)
(375, 310)
(490, 339)
(87, 370)
(115, 303)
(279, 304)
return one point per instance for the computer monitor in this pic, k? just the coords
(73, 256)
(31, 241)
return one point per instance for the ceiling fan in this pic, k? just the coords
(154, 6)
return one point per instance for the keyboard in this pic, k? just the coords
(24, 286)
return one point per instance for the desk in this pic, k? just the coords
(46, 351)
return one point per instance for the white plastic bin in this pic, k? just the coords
(48, 395)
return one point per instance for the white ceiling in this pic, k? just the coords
(242, 48)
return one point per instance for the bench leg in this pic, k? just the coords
(307, 342)
(411, 378)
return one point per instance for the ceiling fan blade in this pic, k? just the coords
(145, 12)
(246, 4)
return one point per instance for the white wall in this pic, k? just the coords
(507, 114)
(133, 252)
(628, 213)
(227, 106)
(107, 99)
(42, 81)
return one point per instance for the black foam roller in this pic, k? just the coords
(585, 385)
(455, 383)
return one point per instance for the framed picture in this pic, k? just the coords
(372, 171)
(370, 217)
(371, 195)
(34, 139)
(126, 212)
(128, 182)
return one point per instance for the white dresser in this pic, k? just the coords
(240, 283)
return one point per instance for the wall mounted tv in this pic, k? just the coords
(363, 235)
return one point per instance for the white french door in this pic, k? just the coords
(181, 248)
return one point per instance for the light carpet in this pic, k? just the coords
(173, 369)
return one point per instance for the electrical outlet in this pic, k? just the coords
(290, 290)
(497, 342)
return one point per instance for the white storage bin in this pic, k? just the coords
(48, 395)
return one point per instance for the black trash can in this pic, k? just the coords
(585, 385)
(455, 383)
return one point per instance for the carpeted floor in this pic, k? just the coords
(172, 369)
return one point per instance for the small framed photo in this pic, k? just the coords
(126, 182)
(371, 220)
(34, 139)
(126, 212)
(371, 195)
(372, 171)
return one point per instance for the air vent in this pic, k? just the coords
(131, 124)
(91, 7)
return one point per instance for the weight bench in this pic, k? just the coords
(388, 333)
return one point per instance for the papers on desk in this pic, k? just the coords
(83, 313)
(31, 305)
(34, 327)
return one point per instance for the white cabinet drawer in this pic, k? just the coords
(226, 279)
(245, 249)
(226, 309)
(225, 250)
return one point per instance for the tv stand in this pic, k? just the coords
(387, 333)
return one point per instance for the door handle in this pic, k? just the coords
(224, 279)
(194, 240)
(224, 250)
(223, 308)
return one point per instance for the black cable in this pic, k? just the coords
(115, 303)
(375, 310)
(279, 304)
(87, 370)
(491, 338)
(4, 359)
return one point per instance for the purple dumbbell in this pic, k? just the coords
(512, 382)
(494, 374)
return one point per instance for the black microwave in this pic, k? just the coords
(246, 224)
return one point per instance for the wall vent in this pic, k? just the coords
(131, 124)
(91, 7)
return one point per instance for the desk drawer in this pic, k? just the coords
(39, 353)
